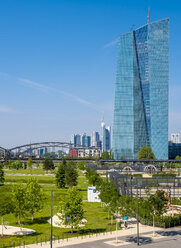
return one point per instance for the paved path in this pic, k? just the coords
(131, 231)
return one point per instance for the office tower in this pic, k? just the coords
(175, 138)
(95, 139)
(105, 136)
(85, 140)
(76, 140)
(141, 95)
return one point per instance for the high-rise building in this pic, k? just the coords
(76, 140)
(175, 138)
(105, 136)
(95, 139)
(141, 95)
(85, 140)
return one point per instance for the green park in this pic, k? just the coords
(25, 202)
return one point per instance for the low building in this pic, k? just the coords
(174, 149)
(88, 152)
(73, 152)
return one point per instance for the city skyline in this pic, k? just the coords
(57, 75)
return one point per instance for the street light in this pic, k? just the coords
(51, 217)
(137, 216)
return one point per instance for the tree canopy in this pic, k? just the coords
(60, 176)
(93, 177)
(1, 174)
(72, 208)
(34, 197)
(71, 174)
(146, 153)
(48, 164)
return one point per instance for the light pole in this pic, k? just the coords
(51, 218)
(137, 216)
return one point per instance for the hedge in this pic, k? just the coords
(163, 221)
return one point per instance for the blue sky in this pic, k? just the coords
(58, 64)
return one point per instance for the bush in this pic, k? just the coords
(164, 174)
(162, 221)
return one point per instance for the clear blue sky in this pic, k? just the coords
(58, 64)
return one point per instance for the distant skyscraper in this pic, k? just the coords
(175, 138)
(95, 138)
(76, 140)
(141, 96)
(105, 136)
(85, 140)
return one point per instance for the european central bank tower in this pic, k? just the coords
(141, 96)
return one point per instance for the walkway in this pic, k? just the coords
(132, 230)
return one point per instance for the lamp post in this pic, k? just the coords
(51, 218)
(137, 216)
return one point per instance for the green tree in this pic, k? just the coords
(177, 158)
(34, 197)
(146, 153)
(64, 162)
(17, 165)
(109, 195)
(48, 164)
(71, 174)
(72, 208)
(156, 204)
(29, 163)
(25, 166)
(105, 155)
(1, 174)
(60, 176)
(95, 179)
(19, 200)
(5, 208)
(81, 165)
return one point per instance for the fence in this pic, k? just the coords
(128, 185)
(64, 237)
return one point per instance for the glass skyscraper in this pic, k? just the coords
(141, 96)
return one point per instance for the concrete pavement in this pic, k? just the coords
(131, 231)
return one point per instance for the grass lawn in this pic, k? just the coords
(23, 179)
(94, 213)
(33, 171)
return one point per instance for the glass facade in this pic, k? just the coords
(141, 96)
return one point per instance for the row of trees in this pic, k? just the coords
(116, 204)
(25, 200)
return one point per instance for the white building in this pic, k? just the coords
(88, 152)
(175, 138)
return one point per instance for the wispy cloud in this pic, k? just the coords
(45, 88)
(111, 43)
(48, 89)
(4, 109)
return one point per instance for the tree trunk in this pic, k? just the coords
(19, 221)
(71, 229)
(116, 231)
(2, 226)
(32, 217)
(153, 225)
(111, 220)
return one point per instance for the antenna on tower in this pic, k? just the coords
(148, 16)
